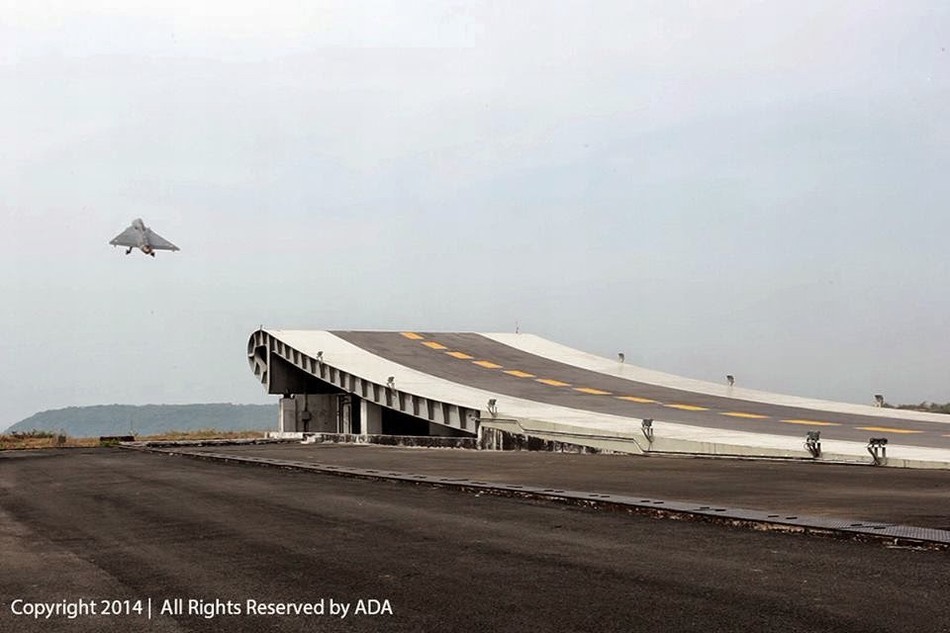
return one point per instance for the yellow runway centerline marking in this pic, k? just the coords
(593, 392)
(554, 383)
(751, 416)
(811, 422)
(686, 407)
(636, 399)
(519, 374)
(887, 429)
(461, 355)
(487, 364)
(413, 336)
(434, 345)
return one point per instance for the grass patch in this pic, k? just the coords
(203, 434)
(19, 441)
(45, 439)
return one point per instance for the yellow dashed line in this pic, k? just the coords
(487, 364)
(811, 422)
(434, 345)
(636, 399)
(751, 416)
(519, 374)
(461, 355)
(887, 429)
(686, 407)
(413, 336)
(554, 383)
(595, 392)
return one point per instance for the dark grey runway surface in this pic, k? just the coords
(416, 355)
(890, 495)
(122, 524)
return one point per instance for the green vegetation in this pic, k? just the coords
(929, 407)
(31, 434)
(152, 419)
(202, 434)
(41, 439)
(32, 439)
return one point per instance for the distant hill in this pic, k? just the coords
(150, 419)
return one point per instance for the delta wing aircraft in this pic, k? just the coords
(140, 236)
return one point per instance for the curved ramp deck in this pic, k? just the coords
(546, 390)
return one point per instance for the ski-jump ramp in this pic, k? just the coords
(463, 383)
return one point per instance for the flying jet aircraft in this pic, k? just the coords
(140, 236)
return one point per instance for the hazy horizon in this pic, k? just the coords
(745, 188)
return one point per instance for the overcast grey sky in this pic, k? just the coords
(755, 188)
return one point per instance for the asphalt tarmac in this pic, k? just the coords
(890, 495)
(116, 525)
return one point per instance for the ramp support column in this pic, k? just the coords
(371, 416)
(287, 415)
(345, 412)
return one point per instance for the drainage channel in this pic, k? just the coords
(905, 535)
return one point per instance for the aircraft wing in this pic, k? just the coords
(128, 237)
(158, 242)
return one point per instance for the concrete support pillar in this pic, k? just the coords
(371, 415)
(308, 413)
(287, 416)
(346, 414)
(319, 413)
